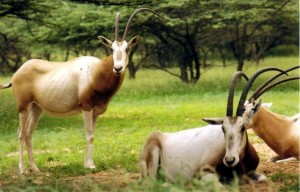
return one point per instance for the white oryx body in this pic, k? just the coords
(63, 84)
(193, 152)
(280, 133)
(82, 85)
(187, 152)
(183, 153)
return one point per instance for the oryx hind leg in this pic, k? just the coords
(150, 156)
(23, 124)
(34, 116)
(149, 166)
(153, 165)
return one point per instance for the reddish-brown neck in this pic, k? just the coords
(272, 128)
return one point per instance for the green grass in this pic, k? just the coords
(153, 101)
(291, 181)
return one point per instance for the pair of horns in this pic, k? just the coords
(266, 86)
(262, 89)
(129, 21)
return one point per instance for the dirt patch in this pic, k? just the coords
(270, 169)
(107, 179)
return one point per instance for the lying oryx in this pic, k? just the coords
(186, 152)
(279, 132)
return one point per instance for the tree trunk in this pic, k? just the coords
(131, 70)
(240, 64)
(67, 55)
(184, 74)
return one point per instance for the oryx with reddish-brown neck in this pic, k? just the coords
(234, 127)
(186, 153)
(82, 85)
(279, 132)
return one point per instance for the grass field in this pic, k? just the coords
(153, 101)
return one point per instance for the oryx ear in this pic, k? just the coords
(133, 41)
(105, 41)
(214, 121)
(266, 105)
(256, 105)
(248, 114)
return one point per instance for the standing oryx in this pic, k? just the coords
(187, 152)
(82, 85)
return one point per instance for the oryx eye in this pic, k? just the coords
(243, 129)
(127, 50)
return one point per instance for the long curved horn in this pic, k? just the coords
(273, 85)
(117, 26)
(133, 14)
(239, 111)
(269, 81)
(231, 91)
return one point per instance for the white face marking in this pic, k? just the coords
(120, 56)
(235, 139)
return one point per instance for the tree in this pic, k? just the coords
(117, 2)
(194, 30)
(12, 56)
(244, 21)
(282, 29)
(25, 9)
(181, 34)
(16, 36)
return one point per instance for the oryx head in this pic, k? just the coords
(121, 48)
(234, 127)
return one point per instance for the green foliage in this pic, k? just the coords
(285, 50)
(194, 30)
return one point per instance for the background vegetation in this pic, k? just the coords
(195, 34)
(201, 43)
(151, 102)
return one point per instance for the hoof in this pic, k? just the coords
(258, 177)
(90, 166)
(290, 159)
(34, 170)
(261, 178)
(273, 159)
(22, 171)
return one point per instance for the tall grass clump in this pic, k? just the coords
(8, 113)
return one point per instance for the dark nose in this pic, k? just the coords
(229, 160)
(119, 68)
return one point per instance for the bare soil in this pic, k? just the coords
(270, 169)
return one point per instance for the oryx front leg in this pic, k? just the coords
(278, 159)
(89, 125)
